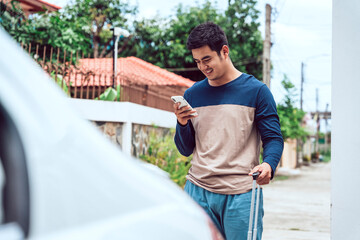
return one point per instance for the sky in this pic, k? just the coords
(300, 32)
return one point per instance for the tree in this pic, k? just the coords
(96, 18)
(43, 28)
(242, 30)
(185, 20)
(150, 42)
(81, 26)
(10, 16)
(85, 25)
(163, 42)
(290, 116)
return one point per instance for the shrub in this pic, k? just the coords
(163, 153)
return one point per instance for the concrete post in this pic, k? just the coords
(345, 190)
(126, 137)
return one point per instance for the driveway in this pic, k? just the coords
(298, 208)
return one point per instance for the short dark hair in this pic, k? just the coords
(209, 34)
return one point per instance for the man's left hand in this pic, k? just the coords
(265, 173)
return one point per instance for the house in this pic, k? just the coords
(141, 82)
(33, 6)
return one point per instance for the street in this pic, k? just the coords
(298, 208)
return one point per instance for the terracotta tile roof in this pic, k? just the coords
(33, 6)
(131, 70)
(48, 5)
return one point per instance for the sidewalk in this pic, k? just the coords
(299, 208)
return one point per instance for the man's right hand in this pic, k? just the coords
(183, 114)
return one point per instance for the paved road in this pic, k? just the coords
(299, 208)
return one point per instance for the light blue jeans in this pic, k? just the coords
(230, 213)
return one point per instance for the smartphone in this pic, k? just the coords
(183, 103)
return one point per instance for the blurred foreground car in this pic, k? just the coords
(61, 179)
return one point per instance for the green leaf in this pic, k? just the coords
(108, 95)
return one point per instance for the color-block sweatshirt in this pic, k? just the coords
(225, 137)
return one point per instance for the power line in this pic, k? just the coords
(277, 12)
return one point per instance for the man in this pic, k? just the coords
(234, 111)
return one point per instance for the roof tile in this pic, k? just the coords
(131, 70)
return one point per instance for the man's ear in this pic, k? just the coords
(225, 51)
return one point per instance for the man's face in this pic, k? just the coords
(209, 62)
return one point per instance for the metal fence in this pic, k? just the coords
(64, 68)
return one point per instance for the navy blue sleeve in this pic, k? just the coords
(185, 136)
(267, 122)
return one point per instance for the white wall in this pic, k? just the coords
(123, 112)
(126, 113)
(345, 185)
(288, 159)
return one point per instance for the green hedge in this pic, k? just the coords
(163, 153)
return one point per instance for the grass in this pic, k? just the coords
(280, 178)
(326, 156)
(327, 159)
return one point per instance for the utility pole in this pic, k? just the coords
(117, 32)
(317, 122)
(267, 46)
(299, 142)
(326, 127)
(317, 100)
(302, 86)
(116, 35)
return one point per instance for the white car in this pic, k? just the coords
(61, 179)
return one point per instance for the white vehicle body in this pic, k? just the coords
(81, 186)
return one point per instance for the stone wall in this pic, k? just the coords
(140, 138)
(112, 130)
(119, 121)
